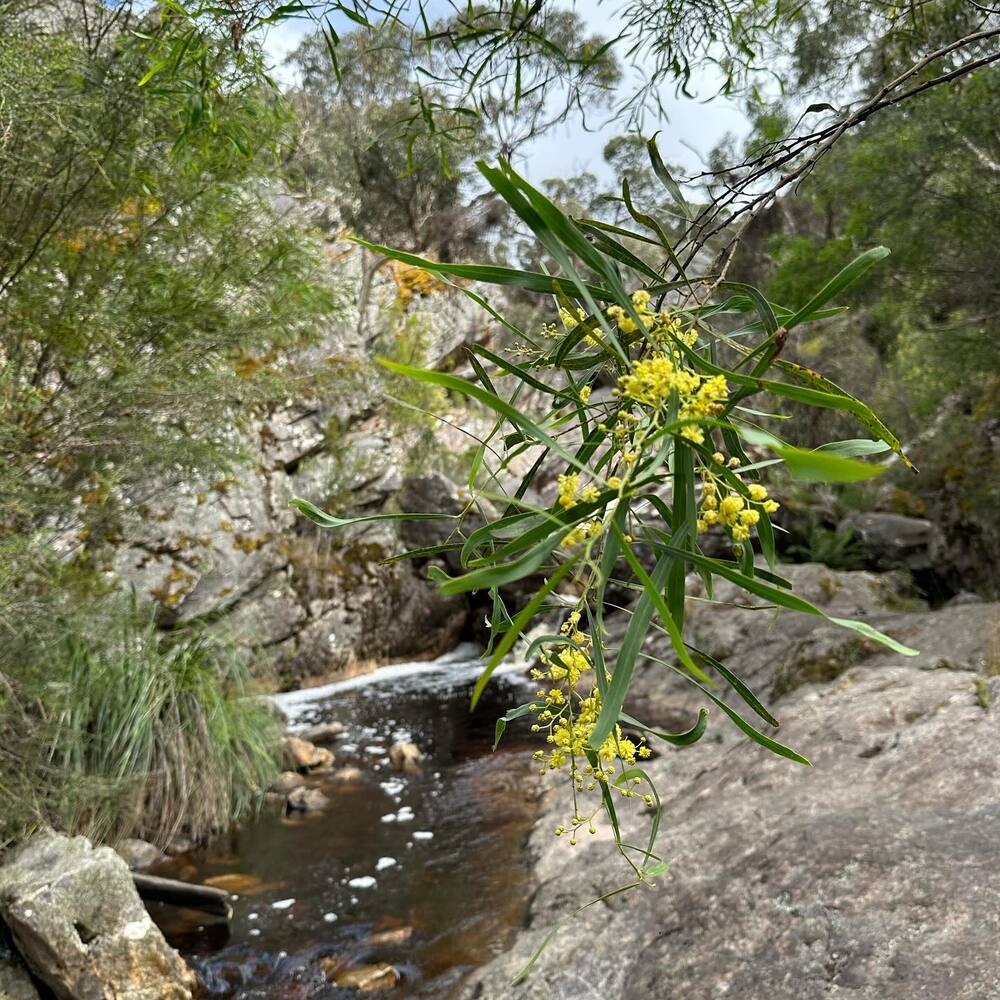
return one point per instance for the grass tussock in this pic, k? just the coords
(124, 731)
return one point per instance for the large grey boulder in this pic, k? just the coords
(894, 540)
(873, 875)
(80, 926)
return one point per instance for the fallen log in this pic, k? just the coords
(206, 898)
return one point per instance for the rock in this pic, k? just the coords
(139, 854)
(79, 924)
(873, 875)
(364, 611)
(405, 757)
(394, 938)
(286, 782)
(269, 614)
(306, 800)
(323, 732)
(305, 756)
(15, 979)
(236, 882)
(347, 775)
(777, 654)
(894, 540)
(179, 844)
(433, 493)
(368, 978)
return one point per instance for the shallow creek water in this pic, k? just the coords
(424, 872)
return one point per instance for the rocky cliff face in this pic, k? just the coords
(233, 552)
(874, 874)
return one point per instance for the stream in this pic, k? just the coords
(424, 872)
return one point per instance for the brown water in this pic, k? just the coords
(441, 853)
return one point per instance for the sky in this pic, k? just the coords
(692, 127)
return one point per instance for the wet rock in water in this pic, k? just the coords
(368, 978)
(79, 924)
(323, 732)
(303, 756)
(874, 874)
(348, 775)
(179, 844)
(139, 854)
(330, 965)
(286, 782)
(238, 882)
(306, 800)
(405, 757)
(394, 938)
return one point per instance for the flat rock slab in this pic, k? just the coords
(873, 875)
(79, 924)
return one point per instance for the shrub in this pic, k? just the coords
(645, 417)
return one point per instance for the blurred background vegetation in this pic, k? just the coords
(156, 294)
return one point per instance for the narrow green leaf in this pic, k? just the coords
(325, 520)
(491, 274)
(785, 599)
(517, 627)
(842, 280)
(493, 401)
(684, 739)
(514, 713)
(814, 466)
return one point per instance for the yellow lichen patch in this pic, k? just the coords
(248, 365)
(250, 543)
(412, 281)
(175, 587)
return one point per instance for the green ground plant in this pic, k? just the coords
(151, 300)
(135, 732)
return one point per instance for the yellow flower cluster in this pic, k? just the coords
(570, 492)
(653, 379)
(663, 327)
(570, 319)
(583, 531)
(732, 510)
(567, 716)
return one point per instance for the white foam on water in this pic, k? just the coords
(463, 663)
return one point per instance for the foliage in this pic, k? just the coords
(838, 548)
(134, 733)
(644, 413)
(358, 143)
(925, 339)
(133, 283)
(150, 298)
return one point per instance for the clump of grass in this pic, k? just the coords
(135, 733)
